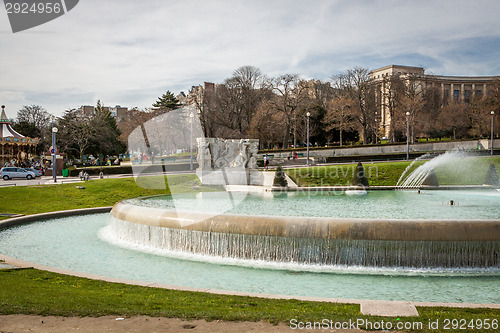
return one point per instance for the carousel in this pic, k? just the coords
(16, 148)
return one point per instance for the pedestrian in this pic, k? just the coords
(266, 162)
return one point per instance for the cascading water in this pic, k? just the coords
(444, 237)
(418, 176)
(235, 247)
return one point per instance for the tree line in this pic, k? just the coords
(346, 108)
(249, 104)
(78, 134)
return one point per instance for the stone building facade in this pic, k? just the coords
(451, 88)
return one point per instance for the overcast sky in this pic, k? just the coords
(129, 52)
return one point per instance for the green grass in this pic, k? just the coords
(30, 291)
(468, 171)
(97, 193)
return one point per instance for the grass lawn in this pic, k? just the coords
(467, 171)
(97, 193)
(30, 291)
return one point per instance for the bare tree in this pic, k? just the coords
(131, 120)
(35, 115)
(237, 99)
(339, 115)
(433, 103)
(204, 102)
(453, 117)
(265, 125)
(413, 102)
(354, 84)
(393, 89)
(479, 117)
(75, 133)
(289, 96)
(249, 77)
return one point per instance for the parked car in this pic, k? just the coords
(38, 173)
(15, 172)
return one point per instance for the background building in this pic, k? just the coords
(116, 111)
(461, 89)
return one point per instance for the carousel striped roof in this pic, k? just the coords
(5, 129)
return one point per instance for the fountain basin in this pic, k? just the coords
(312, 227)
(80, 244)
(316, 240)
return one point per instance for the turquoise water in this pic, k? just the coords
(73, 243)
(478, 204)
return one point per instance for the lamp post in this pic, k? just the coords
(54, 151)
(407, 136)
(308, 114)
(191, 116)
(492, 116)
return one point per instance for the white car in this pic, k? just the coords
(38, 173)
(15, 172)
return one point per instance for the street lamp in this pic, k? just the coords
(54, 151)
(191, 116)
(492, 116)
(407, 136)
(308, 114)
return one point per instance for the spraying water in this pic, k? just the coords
(423, 157)
(418, 176)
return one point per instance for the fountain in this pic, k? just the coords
(277, 243)
(372, 239)
(424, 174)
(317, 240)
(460, 167)
(289, 243)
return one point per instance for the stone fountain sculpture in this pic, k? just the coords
(228, 162)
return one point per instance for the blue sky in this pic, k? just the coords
(129, 52)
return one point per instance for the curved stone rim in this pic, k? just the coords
(314, 227)
(37, 217)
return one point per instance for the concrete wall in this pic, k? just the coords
(397, 149)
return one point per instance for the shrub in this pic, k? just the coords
(491, 176)
(279, 177)
(431, 179)
(359, 178)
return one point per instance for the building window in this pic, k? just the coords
(479, 92)
(456, 94)
(467, 96)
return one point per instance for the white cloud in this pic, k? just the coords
(129, 52)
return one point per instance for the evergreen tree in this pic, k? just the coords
(491, 176)
(279, 177)
(359, 178)
(95, 134)
(431, 179)
(167, 102)
(106, 139)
